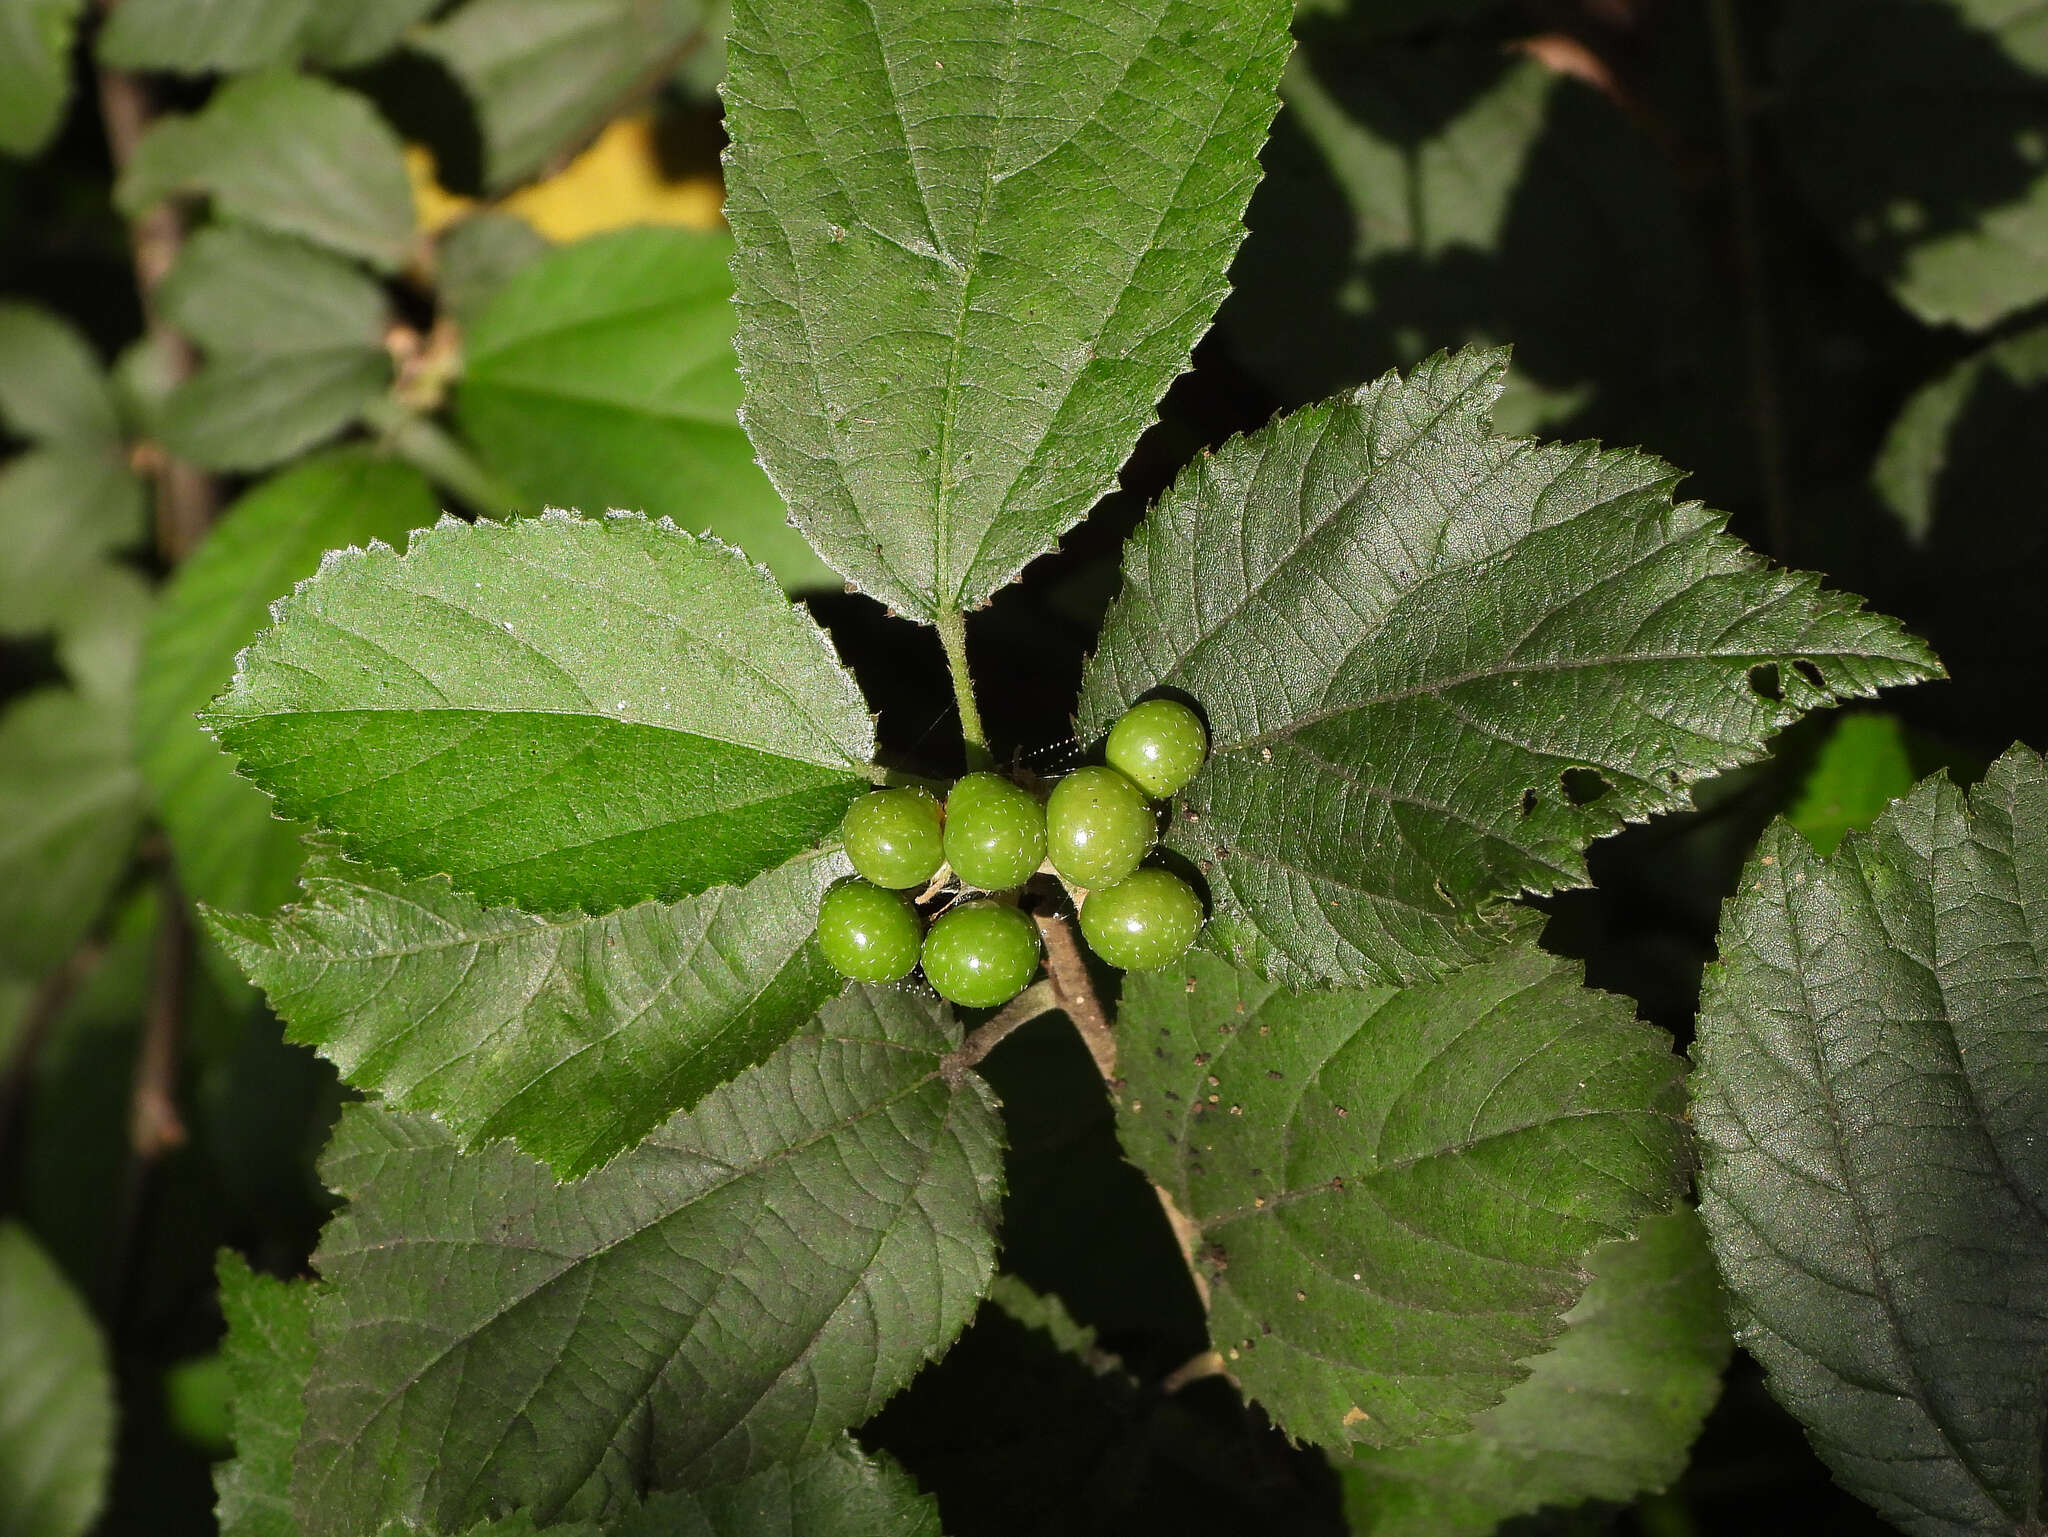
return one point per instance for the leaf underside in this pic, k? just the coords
(1395, 1190)
(560, 714)
(1436, 664)
(1873, 1077)
(976, 242)
(573, 1037)
(755, 1277)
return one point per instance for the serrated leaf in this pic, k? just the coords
(56, 1398)
(1433, 192)
(755, 1277)
(572, 1037)
(63, 511)
(1872, 1080)
(1861, 768)
(233, 852)
(52, 388)
(70, 806)
(976, 243)
(1610, 1412)
(602, 375)
(269, 1355)
(839, 1493)
(35, 70)
(542, 74)
(288, 154)
(195, 37)
(559, 713)
(1395, 1191)
(1914, 128)
(1436, 664)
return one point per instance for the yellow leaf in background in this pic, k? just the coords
(614, 183)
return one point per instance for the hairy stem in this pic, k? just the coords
(1068, 972)
(424, 445)
(186, 496)
(1753, 278)
(952, 628)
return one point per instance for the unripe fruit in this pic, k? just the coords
(1143, 922)
(1158, 745)
(995, 832)
(980, 954)
(892, 837)
(1098, 826)
(867, 933)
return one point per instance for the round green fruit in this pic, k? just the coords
(867, 933)
(893, 838)
(1098, 825)
(980, 954)
(995, 832)
(1158, 745)
(1143, 922)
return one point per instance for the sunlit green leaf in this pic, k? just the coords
(560, 713)
(52, 388)
(976, 243)
(56, 1398)
(63, 511)
(200, 36)
(35, 70)
(574, 1037)
(233, 852)
(1437, 663)
(760, 1274)
(1395, 1191)
(1872, 1082)
(1862, 768)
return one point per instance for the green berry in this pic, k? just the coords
(893, 838)
(867, 933)
(1143, 922)
(1099, 826)
(995, 832)
(1158, 745)
(980, 954)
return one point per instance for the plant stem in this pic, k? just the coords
(45, 1007)
(1068, 973)
(186, 496)
(155, 1127)
(952, 628)
(421, 443)
(1753, 278)
(1039, 998)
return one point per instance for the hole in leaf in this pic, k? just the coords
(1811, 674)
(1583, 786)
(1528, 800)
(1764, 679)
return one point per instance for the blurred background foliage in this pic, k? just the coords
(278, 276)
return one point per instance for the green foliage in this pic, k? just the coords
(1873, 1052)
(574, 1037)
(758, 1275)
(1608, 1412)
(1437, 663)
(56, 1398)
(288, 154)
(70, 807)
(35, 70)
(544, 74)
(269, 1353)
(51, 386)
(959, 305)
(295, 346)
(197, 36)
(837, 1493)
(1862, 768)
(1394, 1192)
(233, 852)
(602, 375)
(675, 726)
(1915, 129)
(63, 511)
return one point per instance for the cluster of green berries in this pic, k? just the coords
(1096, 827)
